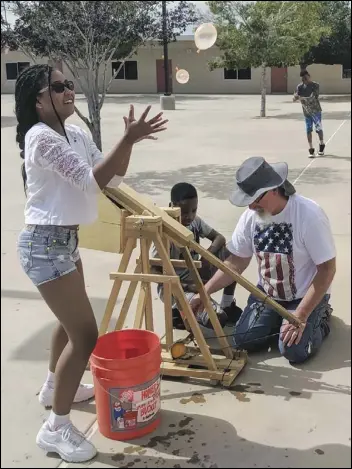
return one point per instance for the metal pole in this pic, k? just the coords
(166, 52)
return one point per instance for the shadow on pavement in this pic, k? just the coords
(36, 348)
(345, 98)
(337, 157)
(338, 98)
(191, 440)
(285, 381)
(216, 181)
(327, 115)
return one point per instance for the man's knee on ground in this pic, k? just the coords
(296, 353)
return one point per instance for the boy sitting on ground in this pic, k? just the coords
(185, 196)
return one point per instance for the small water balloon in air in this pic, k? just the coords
(182, 76)
(205, 36)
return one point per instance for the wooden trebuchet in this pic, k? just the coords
(127, 198)
(145, 224)
(147, 229)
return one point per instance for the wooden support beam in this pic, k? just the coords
(136, 203)
(244, 283)
(144, 277)
(149, 323)
(116, 287)
(184, 305)
(207, 304)
(177, 263)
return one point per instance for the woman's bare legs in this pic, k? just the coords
(68, 300)
(59, 338)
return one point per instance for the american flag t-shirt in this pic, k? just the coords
(273, 245)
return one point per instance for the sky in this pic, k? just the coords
(203, 8)
(201, 5)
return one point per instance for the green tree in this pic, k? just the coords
(265, 34)
(88, 35)
(333, 48)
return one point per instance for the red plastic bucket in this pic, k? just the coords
(126, 372)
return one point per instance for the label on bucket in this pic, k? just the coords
(134, 407)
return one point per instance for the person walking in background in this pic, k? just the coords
(308, 93)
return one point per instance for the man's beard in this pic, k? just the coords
(264, 217)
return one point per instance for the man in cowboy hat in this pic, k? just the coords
(291, 239)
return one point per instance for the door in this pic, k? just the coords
(160, 76)
(279, 79)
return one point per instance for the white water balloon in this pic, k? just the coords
(182, 76)
(205, 36)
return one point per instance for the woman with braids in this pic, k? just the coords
(63, 172)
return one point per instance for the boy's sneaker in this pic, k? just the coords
(321, 149)
(67, 441)
(233, 312)
(84, 393)
(311, 152)
(204, 320)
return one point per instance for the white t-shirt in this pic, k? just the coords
(61, 188)
(288, 247)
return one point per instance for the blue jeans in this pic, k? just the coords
(251, 334)
(47, 252)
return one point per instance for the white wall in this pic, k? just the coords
(184, 55)
(328, 76)
(8, 86)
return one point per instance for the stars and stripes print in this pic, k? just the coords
(274, 250)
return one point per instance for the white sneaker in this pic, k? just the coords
(67, 441)
(84, 393)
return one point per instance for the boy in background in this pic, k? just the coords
(185, 196)
(308, 93)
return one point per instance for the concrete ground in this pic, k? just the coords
(276, 415)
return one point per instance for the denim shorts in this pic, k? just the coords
(313, 120)
(47, 252)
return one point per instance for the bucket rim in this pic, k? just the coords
(131, 360)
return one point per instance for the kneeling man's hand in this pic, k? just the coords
(291, 334)
(196, 304)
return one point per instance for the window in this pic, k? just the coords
(131, 72)
(230, 74)
(14, 69)
(240, 74)
(128, 71)
(244, 74)
(346, 72)
(121, 74)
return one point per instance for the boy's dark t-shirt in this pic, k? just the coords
(200, 229)
(311, 105)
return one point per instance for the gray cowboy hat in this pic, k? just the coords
(255, 176)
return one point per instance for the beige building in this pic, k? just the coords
(143, 73)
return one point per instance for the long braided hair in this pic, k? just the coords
(28, 84)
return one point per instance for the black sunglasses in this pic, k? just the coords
(260, 197)
(59, 87)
